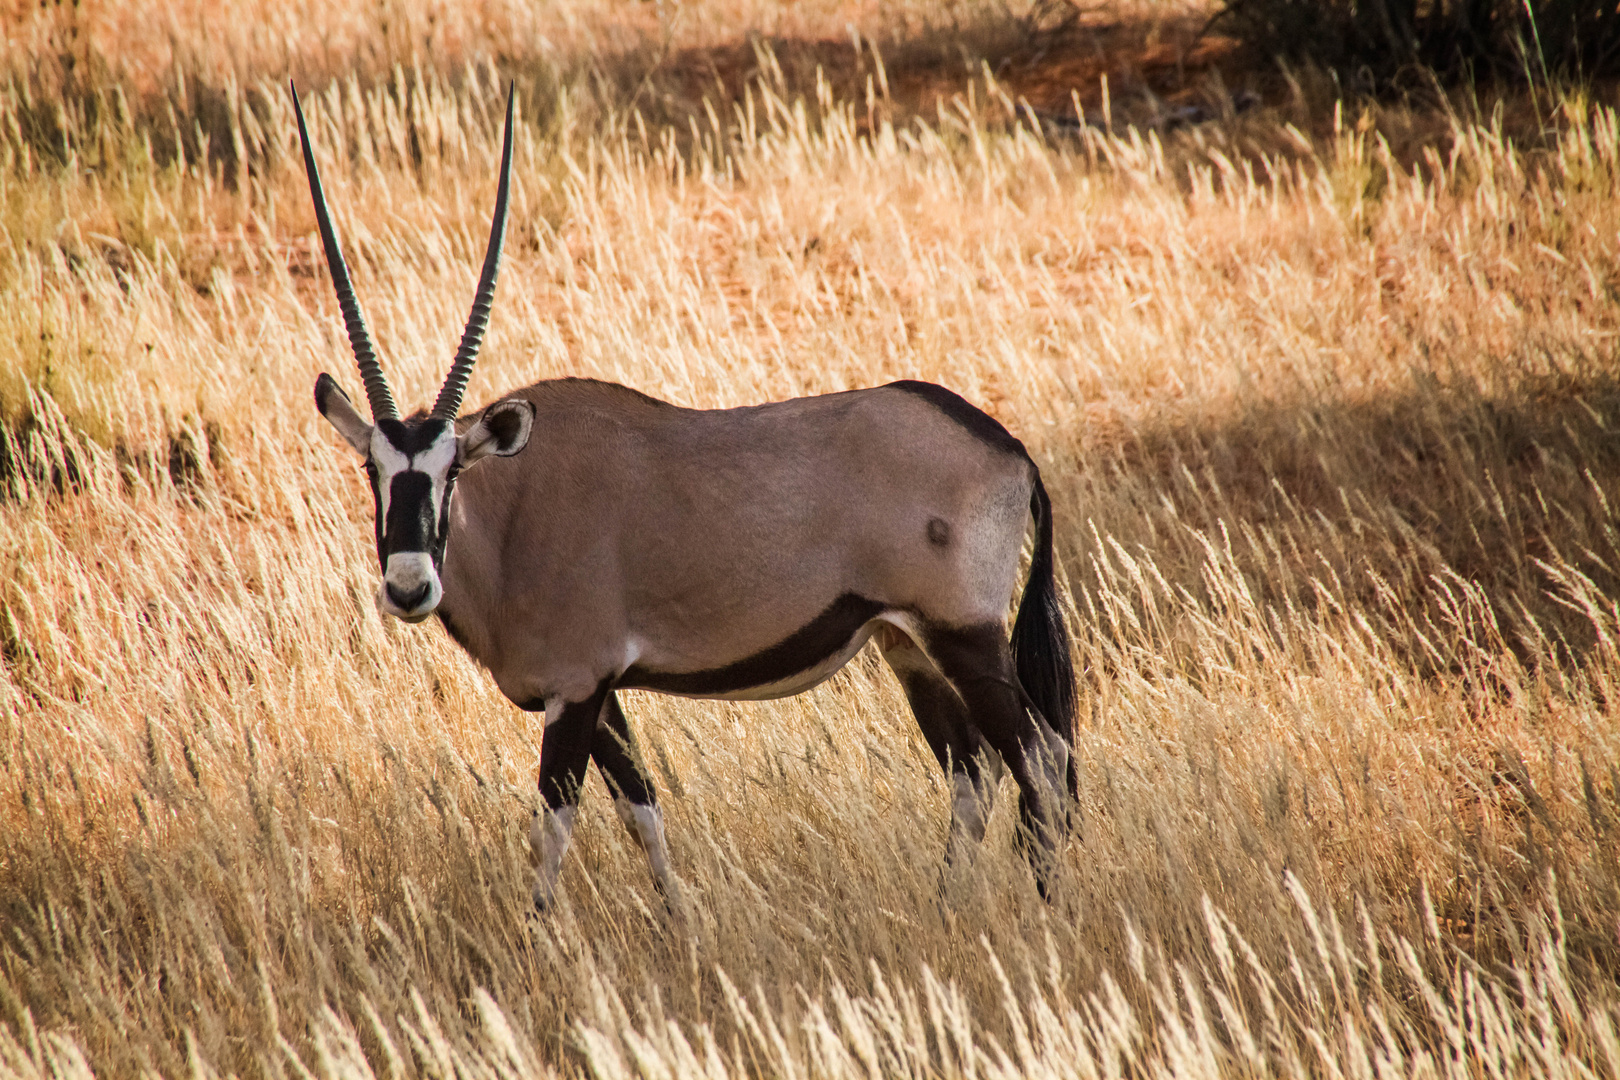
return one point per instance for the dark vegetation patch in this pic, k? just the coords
(46, 457)
(1393, 44)
(1061, 65)
(1446, 503)
(76, 106)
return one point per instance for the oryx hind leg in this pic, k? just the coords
(634, 797)
(978, 663)
(972, 766)
(565, 751)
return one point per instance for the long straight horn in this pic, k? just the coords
(377, 392)
(455, 383)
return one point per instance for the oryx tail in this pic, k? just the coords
(1040, 642)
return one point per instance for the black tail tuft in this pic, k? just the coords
(1040, 642)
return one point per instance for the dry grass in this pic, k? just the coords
(1329, 413)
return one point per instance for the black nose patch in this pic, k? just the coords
(407, 600)
(410, 514)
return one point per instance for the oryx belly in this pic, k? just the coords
(803, 659)
(799, 682)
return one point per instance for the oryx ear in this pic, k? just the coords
(503, 430)
(340, 413)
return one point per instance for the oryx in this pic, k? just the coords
(733, 553)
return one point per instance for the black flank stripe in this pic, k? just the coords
(800, 651)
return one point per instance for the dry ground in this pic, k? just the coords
(1325, 393)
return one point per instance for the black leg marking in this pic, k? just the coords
(960, 749)
(961, 753)
(618, 757)
(565, 750)
(941, 716)
(978, 663)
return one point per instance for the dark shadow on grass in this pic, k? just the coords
(78, 100)
(1443, 514)
(1148, 62)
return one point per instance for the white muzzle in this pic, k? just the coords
(410, 588)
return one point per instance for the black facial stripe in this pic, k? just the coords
(410, 514)
(411, 438)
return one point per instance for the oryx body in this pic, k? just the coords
(735, 553)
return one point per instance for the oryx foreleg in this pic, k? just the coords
(565, 751)
(634, 796)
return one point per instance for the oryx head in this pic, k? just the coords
(413, 463)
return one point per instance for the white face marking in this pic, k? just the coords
(436, 461)
(407, 572)
(549, 833)
(389, 463)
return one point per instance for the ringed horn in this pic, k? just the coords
(378, 394)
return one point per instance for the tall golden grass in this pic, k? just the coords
(1325, 395)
